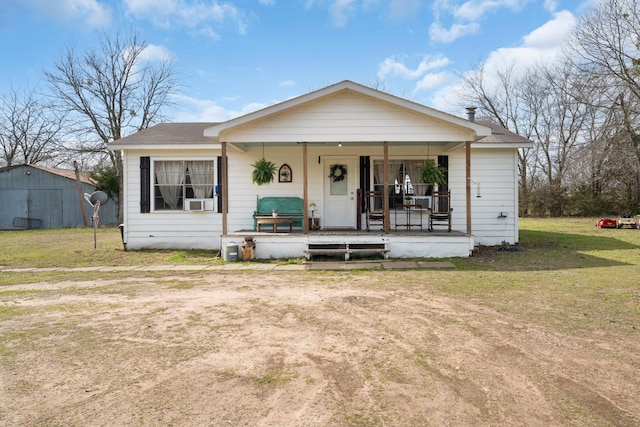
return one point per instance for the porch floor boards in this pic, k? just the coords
(350, 233)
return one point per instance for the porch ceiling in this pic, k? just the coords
(344, 143)
(448, 146)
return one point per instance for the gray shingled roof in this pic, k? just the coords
(170, 133)
(193, 133)
(500, 135)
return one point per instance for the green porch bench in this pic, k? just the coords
(286, 206)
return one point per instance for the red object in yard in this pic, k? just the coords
(606, 223)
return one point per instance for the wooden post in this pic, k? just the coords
(305, 189)
(385, 194)
(468, 186)
(225, 188)
(80, 195)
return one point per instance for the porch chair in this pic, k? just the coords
(440, 210)
(374, 208)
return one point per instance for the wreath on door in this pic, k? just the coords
(337, 173)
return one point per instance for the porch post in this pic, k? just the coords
(385, 194)
(305, 189)
(225, 188)
(468, 186)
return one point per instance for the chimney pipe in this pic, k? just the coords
(471, 114)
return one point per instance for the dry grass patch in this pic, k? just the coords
(544, 336)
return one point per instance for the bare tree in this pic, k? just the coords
(561, 113)
(547, 104)
(582, 114)
(606, 43)
(502, 99)
(29, 129)
(624, 152)
(112, 91)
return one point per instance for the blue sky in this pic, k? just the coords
(236, 56)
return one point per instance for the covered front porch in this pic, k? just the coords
(352, 244)
(338, 145)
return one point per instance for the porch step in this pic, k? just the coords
(347, 249)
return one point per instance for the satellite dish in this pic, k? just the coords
(99, 196)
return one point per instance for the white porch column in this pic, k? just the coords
(225, 188)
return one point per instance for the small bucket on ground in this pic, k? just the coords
(230, 252)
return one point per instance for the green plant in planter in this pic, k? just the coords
(432, 173)
(263, 172)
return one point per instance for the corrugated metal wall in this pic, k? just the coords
(32, 198)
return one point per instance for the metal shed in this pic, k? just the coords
(33, 196)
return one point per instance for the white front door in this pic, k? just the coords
(340, 178)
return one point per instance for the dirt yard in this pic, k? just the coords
(299, 349)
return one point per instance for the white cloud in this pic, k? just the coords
(400, 10)
(89, 12)
(287, 83)
(339, 10)
(551, 5)
(439, 34)
(209, 33)
(204, 110)
(150, 53)
(432, 81)
(548, 34)
(155, 53)
(199, 110)
(465, 17)
(474, 10)
(194, 14)
(253, 106)
(391, 67)
(267, 2)
(542, 45)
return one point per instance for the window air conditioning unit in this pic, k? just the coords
(423, 201)
(198, 205)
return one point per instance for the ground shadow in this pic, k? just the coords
(544, 250)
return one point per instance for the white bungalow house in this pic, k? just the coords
(189, 185)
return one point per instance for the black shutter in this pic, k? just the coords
(365, 173)
(218, 188)
(443, 162)
(145, 184)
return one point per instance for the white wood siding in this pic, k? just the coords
(176, 229)
(347, 117)
(494, 171)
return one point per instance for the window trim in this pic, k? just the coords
(215, 197)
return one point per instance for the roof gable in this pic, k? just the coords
(337, 96)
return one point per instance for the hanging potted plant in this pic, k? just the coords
(432, 173)
(263, 172)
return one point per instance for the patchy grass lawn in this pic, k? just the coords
(73, 247)
(544, 335)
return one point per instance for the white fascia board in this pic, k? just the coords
(503, 145)
(145, 147)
